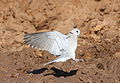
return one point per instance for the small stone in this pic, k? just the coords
(100, 66)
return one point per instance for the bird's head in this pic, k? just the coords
(75, 32)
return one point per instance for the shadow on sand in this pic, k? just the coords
(56, 72)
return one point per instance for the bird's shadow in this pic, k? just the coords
(37, 71)
(56, 72)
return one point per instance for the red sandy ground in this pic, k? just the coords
(99, 42)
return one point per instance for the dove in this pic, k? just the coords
(56, 43)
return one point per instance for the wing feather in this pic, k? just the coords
(53, 42)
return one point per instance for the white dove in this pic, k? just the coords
(56, 43)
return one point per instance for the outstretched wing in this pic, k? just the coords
(54, 42)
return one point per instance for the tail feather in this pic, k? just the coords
(49, 63)
(59, 59)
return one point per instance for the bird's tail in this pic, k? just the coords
(55, 60)
(48, 63)
(58, 59)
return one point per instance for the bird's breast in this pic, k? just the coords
(72, 43)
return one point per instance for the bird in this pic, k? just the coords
(56, 43)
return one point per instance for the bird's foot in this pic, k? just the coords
(79, 60)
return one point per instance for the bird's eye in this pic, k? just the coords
(77, 31)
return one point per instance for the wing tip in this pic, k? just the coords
(26, 36)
